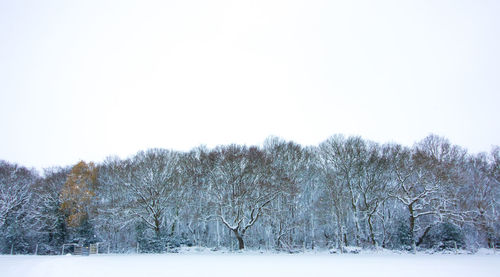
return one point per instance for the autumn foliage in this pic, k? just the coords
(78, 192)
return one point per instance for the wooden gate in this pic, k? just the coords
(93, 249)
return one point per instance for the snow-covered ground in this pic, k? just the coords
(253, 264)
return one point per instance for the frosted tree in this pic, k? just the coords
(196, 212)
(423, 178)
(343, 160)
(483, 191)
(443, 163)
(16, 184)
(336, 192)
(411, 189)
(47, 217)
(239, 183)
(288, 172)
(114, 221)
(152, 180)
(373, 186)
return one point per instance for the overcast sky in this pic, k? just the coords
(89, 79)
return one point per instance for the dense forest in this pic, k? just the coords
(346, 192)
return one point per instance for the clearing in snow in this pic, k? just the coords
(252, 264)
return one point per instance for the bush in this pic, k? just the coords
(153, 243)
(444, 236)
(403, 236)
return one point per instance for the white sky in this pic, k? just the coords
(89, 79)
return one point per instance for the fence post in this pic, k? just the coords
(36, 249)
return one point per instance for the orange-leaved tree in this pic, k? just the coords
(77, 193)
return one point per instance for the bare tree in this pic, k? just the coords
(289, 173)
(344, 159)
(16, 194)
(152, 179)
(337, 192)
(424, 176)
(373, 185)
(240, 186)
(15, 189)
(115, 217)
(47, 217)
(483, 191)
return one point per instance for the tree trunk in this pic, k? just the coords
(372, 234)
(357, 231)
(412, 228)
(340, 233)
(421, 239)
(241, 244)
(157, 226)
(357, 237)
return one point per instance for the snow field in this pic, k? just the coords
(252, 264)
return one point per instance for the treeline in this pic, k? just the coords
(281, 196)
